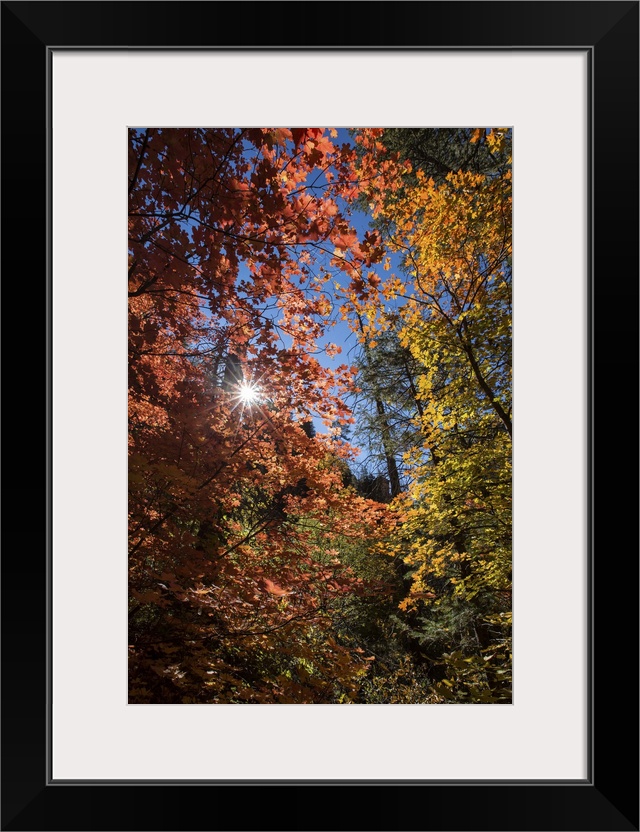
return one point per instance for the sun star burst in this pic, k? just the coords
(248, 393)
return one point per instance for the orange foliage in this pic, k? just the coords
(226, 244)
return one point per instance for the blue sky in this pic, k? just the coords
(339, 331)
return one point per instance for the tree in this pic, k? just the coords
(453, 233)
(388, 404)
(232, 580)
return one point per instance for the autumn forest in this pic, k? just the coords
(320, 415)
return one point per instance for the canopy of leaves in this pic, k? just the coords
(261, 568)
(454, 235)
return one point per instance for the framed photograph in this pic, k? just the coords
(97, 98)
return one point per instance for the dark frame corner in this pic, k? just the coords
(609, 799)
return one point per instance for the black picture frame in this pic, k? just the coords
(608, 798)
